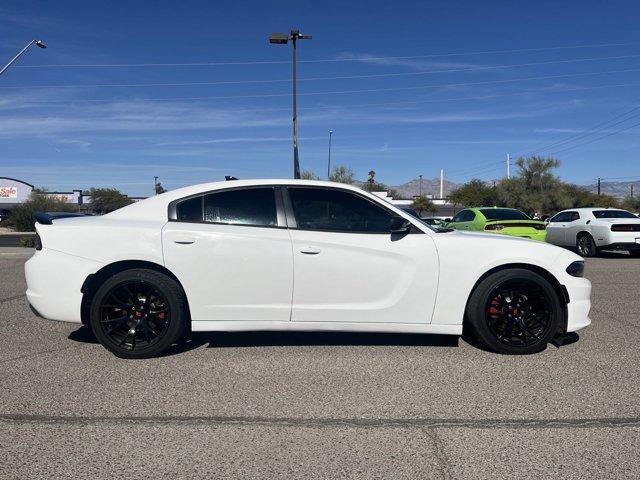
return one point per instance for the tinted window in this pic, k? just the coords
(247, 206)
(561, 217)
(613, 214)
(190, 210)
(503, 214)
(573, 216)
(464, 216)
(325, 209)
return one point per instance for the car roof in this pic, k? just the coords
(156, 206)
(591, 209)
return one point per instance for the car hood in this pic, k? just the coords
(479, 248)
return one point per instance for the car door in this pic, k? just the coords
(557, 227)
(231, 251)
(574, 225)
(349, 268)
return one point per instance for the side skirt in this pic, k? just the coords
(243, 326)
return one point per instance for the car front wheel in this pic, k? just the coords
(138, 313)
(514, 311)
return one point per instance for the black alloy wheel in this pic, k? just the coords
(514, 311)
(518, 313)
(586, 246)
(138, 313)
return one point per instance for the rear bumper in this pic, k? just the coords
(631, 246)
(579, 305)
(54, 280)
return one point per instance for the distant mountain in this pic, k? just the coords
(411, 188)
(430, 186)
(617, 189)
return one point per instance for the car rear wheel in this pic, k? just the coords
(138, 313)
(514, 311)
(586, 245)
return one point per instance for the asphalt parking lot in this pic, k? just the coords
(263, 405)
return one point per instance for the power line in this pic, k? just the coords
(182, 84)
(408, 102)
(597, 138)
(324, 60)
(595, 129)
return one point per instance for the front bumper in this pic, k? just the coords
(54, 280)
(579, 290)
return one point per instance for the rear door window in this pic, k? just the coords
(245, 206)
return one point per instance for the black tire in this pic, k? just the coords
(514, 311)
(138, 313)
(585, 245)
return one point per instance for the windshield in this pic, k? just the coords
(503, 214)
(613, 214)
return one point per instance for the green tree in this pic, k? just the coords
(474, 193)
(632, 204)
(21, 217)
(308, 175)
(423, 204)
(105, 200)
(342, 174)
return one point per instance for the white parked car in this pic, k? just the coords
(590, 230)
(295, 255)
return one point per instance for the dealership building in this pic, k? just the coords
(13, 192)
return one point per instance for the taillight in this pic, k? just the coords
(495, 226)
(625, 228)
(37, 242)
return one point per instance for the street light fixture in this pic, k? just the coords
(283, 39)
(37, 43)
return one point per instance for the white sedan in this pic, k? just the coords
(590, 230)
(299, 256)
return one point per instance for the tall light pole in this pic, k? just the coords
(37, 43)
(155, 185)
(420, 184)
(283, 39)
(329, 160)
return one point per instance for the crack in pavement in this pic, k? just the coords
(496, 423)
(440, 453)
(9, 299)
(615, 317)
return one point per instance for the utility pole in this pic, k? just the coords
(508, 166)
(329, 161)
(441, 183)
(155, 185)
(632, 190)
(283, 38)
(420, 184)
(598, 185)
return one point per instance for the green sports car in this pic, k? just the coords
(507, 221)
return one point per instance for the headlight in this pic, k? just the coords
(576, 269)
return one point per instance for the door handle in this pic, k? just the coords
(184, 241)
(310, 250)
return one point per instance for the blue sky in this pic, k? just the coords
(421, 86)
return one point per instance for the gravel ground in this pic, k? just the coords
(262, 405)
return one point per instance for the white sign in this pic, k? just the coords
(8, 192)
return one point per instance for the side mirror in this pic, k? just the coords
(546, 221)
(400, 226)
